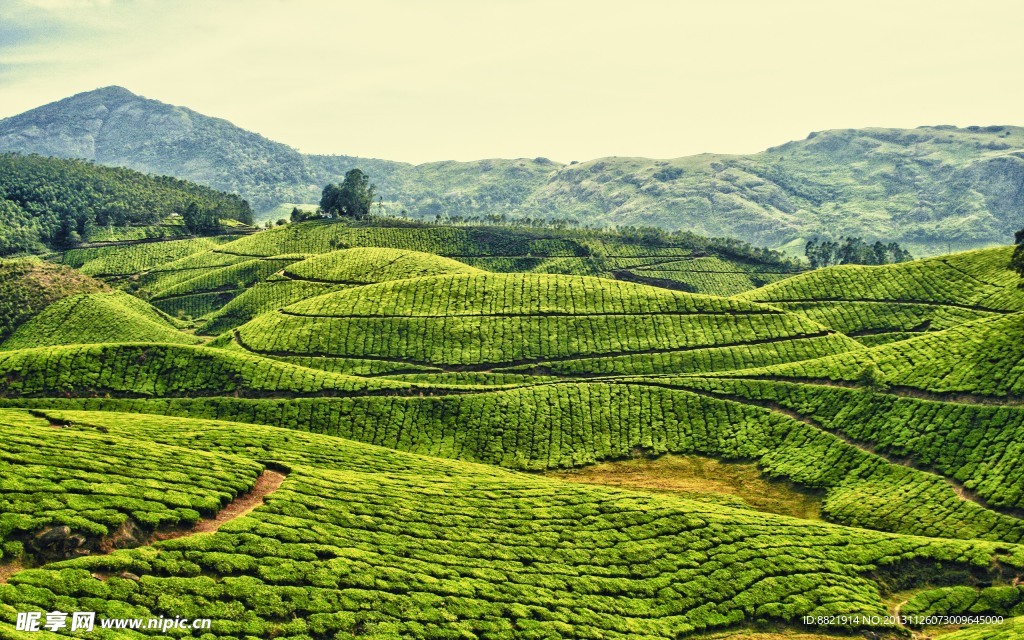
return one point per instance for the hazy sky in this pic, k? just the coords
(420, 80)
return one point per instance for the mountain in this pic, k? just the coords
(930, 188)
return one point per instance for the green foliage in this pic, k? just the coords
(112, 261)
(503, 320)
(96, 318)
(1007, 601)
(58, 203)
(370, 265)
(139, 370)
(983, 358)
(199, 221)
(261, 298)
(94, 483)
(498, 241)
(971, 444)
(827, 253)
(932, 294)
(360, 540)
(352, 198)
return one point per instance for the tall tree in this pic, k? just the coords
(353, 198)
(199, 220)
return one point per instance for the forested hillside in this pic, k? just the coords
(333, 430)
(932, 189)
(48, 202)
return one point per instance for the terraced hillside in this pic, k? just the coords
(198, 278)
(357, 542)
(425, 409)
(893, 302)
(506, 323)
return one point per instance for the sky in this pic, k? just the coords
(569, 80)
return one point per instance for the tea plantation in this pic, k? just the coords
(363, 541)
(412, 383)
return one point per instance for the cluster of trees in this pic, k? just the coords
(826, 253)
(353, 198)
(198, 220)
(50, 202)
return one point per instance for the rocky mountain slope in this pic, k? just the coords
(931, 188)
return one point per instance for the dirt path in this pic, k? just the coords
(8, 570)
(267, 483)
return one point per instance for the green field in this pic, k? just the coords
(511, 433)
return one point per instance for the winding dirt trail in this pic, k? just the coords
(267, 483)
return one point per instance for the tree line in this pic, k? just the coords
(852, 250)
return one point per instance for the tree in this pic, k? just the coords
(353, 198)
(1017, 262)
(199, 220)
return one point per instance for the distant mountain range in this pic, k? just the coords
(930, 188)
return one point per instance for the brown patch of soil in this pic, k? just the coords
(267, 483)
(694, 476)
(7, 570)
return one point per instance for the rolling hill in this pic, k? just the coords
(877, 304)
(363, 541)
(28, 286)
(933, 189)
(198, 278)
(401, 407)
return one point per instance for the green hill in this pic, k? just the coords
(933, 188)
(323, 274)
(983, 357)
(498, 322)
(893, 302)
(47, 202)
(392, 544)
(29, 286)
(93, 318)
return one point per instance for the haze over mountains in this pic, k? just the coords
(930, 188)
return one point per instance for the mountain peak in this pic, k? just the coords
(112, 91)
